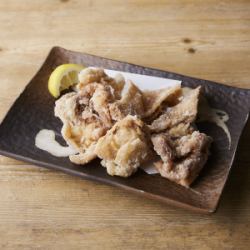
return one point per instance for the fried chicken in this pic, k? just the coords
(154, 99)
(183, 150)
(131, 103)
(184, 112)
(183, 159)
(98, 121)
(97, 75)
(85, 118)
(142, 103)
(125, 147)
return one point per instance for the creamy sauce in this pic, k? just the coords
(45, 140)
(217, 116)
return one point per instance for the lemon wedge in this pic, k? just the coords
(63, 77)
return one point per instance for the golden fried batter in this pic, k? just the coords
(142, 103)
(99, 121)
(132, 103)
(183, 112)
(183, 162)
(183, 150)
(154, 99)
(85, 118)
(124, 148)
(97, 75)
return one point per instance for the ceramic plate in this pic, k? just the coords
(33, 110)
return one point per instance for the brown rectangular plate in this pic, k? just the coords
(34, 110)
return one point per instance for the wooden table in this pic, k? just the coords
(42, 209)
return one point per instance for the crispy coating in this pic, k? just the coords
(154, 99)
(125, 147)
(163, 146)
(131, 103)
(99, 122)
(143, 104)
(183, 112)
(97, 75)
(180, 130)
(85, 118)
(183, 150)
(84, 157)
(182, 160)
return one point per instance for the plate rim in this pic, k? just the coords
(167, 200)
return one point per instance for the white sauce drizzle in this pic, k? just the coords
(217, 116)
(45, 140)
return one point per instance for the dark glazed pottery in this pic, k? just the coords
(33, 110)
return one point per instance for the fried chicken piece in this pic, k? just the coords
(130, 104)
(180, 130)
(90, 75)
(97, 75)
(154, 99)
(65, 106)
(97, 121)
(142, 104)
(190, 143)
(85, 118)
(124, 147)
(182, 159)
(183, 112)
(101, 97)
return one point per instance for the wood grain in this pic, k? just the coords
(42, 209)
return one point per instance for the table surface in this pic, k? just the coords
(43, 209)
